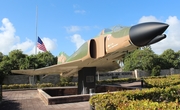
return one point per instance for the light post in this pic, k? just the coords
(92, 92)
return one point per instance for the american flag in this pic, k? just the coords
(41, 45)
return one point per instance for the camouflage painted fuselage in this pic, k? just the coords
(104, 49)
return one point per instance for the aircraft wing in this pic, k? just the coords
(64, 68)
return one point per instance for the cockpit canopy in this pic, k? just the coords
(112, 29)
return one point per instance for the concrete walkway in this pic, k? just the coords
(29, 100)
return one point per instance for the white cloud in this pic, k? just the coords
(173, 34)
(72, 28)
(75, 6)
(80, 11)
(49, 43)
(76, 38)
(24, 46)
(172, 41)
(9, 41)
(77, 10)
(149, 19)
(7, 36)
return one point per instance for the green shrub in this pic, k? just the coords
(17, 86)
(113, 81)
(156, 71)
(65, 79)
(67, 84)
(44, 85)
(154, 98)
(162, 82)
(22, 86)
(5, 86)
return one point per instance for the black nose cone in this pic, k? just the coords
(142, 34)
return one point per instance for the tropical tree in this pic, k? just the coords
(178, 58)
(144, 59)
(45, 59)
(170, 59)
(5, 68)
(1, 56)
(32, 61)
(18, 59)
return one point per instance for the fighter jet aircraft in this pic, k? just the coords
(105, 50)
(102, 53)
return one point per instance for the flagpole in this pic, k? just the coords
(32, 79)
(36, 30)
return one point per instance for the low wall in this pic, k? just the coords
(113, 75)
(16, 79)
(71, 94)
(50, 79)
(63, 91)
(134, 74)
(25, 79)
(140, 73)
(48, 100)
(170, 71)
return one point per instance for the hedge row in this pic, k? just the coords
(38, 85)
(67, 84)
(109, 81)
(142, 105)
(162, 82)
(113, 81)
(21, 86)
(153, 98)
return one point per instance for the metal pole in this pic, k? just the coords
(36, 29)
(141, 82)
(32, 77)
(98, 76)
(91, 93)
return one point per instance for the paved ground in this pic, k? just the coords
(29, 100)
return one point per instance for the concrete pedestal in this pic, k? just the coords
(86, 79)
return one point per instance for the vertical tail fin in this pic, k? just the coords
(62, 57)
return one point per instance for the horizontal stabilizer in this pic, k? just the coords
(62, 58)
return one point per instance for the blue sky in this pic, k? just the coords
(64, 25)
